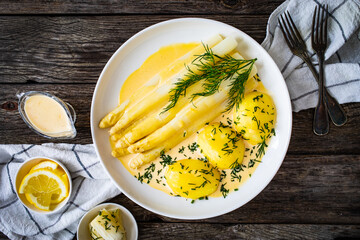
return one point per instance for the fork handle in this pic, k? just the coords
(336, 112)
(321, 119)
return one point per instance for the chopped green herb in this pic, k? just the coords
(181, 150)
(147, 174)
(224, 191)
(166, 159)
(193, 146)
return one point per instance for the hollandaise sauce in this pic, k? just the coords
(48, 116)
(228, 158)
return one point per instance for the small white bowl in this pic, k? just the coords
(24, 169)
(128, 220)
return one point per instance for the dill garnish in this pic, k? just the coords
(193, 147)
(181, 150)
(106, 225)
(166, 159)
(147, 174)
(213, 70)
(252, 162)
(224, 191)
(236, 168)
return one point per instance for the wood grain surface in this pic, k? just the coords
(75, 49)
(143, 7)
(62, 46)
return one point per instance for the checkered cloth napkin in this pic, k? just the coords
(342, 66)
(91, 186)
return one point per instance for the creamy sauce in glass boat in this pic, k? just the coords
(153, 173)
(47, 115)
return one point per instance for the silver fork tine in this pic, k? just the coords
(321, 37)
(313, 26)
(297, 34)
(325, 27)
(288, 24)
(288, 38)
(318, 22)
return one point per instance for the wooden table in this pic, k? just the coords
(62, 46)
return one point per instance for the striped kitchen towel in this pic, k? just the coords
(342, 66)
(91, 186)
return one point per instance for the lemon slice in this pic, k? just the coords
(49, 165)
(56, 198)
(45, 164)
(40, 185)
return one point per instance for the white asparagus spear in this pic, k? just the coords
(119, 152)
(158, 119)
(160, 95)
(187, 115)
(149, 156)
(111, 118)
(201, 106)
(117, 137)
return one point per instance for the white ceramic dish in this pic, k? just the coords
(24, 169)
(128, 219)
(129, 57)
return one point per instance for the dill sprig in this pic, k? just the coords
(261, 148)
(213, 70)
(206, 61)
(236, 92)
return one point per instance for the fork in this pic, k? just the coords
(319, 44)
(298, 48)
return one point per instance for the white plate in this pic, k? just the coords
(129, 57)
(128, 219)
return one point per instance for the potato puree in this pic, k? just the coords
(153, 173)
(47, 115)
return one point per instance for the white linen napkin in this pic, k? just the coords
(342, 66)
(91, 186)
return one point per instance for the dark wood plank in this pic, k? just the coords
(243, 231)
(138, 7)
(340, 140)
(246, 231)
(75, 49)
